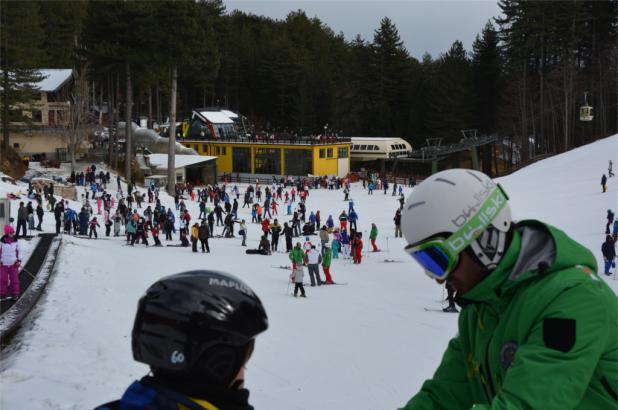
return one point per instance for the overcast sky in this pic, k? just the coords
(430, 26)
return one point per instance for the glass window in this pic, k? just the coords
(329, 152)
(205, 148)
(298, 162)
(393, 147)
(322, 153)
(363, 147)
(268, 161)
(241, 159)
(354, 147)
(342, 152)
(223, 151)
(375, 148)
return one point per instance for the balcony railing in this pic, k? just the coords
(271, 140)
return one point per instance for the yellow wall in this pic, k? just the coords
(321, 166)
(324, 166)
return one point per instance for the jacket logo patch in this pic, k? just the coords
(507, 353)
(559, 334)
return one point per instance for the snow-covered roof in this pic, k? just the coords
(216, 117)
(54, 78)
(159, 161)
(230, 114)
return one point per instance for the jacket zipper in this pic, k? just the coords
(488, 374)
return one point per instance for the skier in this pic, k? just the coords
(610, 168)
(397, 220)
(140, 232)
(313, 260)
(335, 245)
(610, 220)
(131, 229)
(203, 365)
(203, 236)
(326, 261)
(323, 237)
(242, 231)
(609, 254)
(93, 224)
(373, 235)
(10, 261)
(297, 277)
(275, 230)
(195, 235)
(297, 256)
(353, 217)
(604, 183)
(330, 225)
(343, 221)
(287, 232)
(263, 248)
(535, 317)
(357, 248)
(155, 235)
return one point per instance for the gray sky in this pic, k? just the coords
(430, 26)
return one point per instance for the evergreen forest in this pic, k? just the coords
(524, 79)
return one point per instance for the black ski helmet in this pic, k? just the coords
(197, 325)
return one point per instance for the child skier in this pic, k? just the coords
(9, 264)
(326, 261)
(372, 236)
(336, 245)
(93, 228)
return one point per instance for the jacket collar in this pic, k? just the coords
(533, 251)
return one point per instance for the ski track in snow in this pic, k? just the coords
(367, 345)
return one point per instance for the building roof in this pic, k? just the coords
(230, 114)
(159, 161)
(216, 117)
(54, 78)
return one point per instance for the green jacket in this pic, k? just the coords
(297, 255)
(540, 332)
(374, 233)
(327, 257)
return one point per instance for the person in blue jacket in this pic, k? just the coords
(353, 217)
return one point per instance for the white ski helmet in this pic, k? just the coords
(460, 201)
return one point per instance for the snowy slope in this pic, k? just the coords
(366, 345)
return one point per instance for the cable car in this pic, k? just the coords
(586, 111)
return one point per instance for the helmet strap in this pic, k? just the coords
(489, 247)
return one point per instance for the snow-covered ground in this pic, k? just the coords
(367, 345)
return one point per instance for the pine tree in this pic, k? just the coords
(487, 69)
(21, 54)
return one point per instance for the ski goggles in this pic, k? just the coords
(434, 257)
(439, 256)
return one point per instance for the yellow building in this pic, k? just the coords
(295, 157)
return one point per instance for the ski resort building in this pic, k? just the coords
(196, 169)
(220, 134)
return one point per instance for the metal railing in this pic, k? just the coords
(271, 141)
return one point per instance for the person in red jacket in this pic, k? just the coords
(357, 247)
(265, 226)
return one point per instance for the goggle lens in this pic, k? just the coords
(433, 259)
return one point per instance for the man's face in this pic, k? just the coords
(466, 275)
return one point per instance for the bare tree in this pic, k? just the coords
(81, 122)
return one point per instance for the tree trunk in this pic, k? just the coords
(5, 113)
(128, 129)
(110, 116)
(158, 101)
(116, 117)
(149, 124)
(171, 160)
